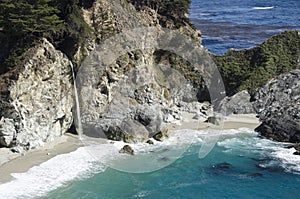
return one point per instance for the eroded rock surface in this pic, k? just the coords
(38, 101)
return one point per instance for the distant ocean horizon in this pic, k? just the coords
(241, 165)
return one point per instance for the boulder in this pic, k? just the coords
(237, 104)
(127, 149)
(150, 142)
(216, 119)
(163, 134)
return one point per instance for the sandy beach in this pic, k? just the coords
(22, 162)
(229, 122)
(19, 163)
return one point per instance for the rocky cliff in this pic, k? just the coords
(278, 105)
(130, 98)
(37, 94)
(36, 99)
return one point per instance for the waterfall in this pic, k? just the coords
(77, 107)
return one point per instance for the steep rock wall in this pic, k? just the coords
(278, 105)
(38, 98)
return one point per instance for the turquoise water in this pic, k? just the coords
(240, 166)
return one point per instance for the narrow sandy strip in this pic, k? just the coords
(19, 163)
(229, 122)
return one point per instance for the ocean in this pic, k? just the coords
(240, 165)
(243, 24)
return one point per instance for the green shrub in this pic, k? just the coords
(252, 68)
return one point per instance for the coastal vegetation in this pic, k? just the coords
(252, 68)
(24, 22)
(174, 10)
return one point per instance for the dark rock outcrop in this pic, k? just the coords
(127, 149)
(278, 107)
(163, 134)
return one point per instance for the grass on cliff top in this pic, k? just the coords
(252, 68)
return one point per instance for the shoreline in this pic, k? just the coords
(20, 163)
(229, 122)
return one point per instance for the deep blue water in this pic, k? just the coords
(242, 24)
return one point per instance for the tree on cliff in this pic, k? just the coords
(252, 68)
(172, 9)
(28, 18)
(23, 22)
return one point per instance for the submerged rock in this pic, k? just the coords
(254, 175)
(222, 166)
(127, 149)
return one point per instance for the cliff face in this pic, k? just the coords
(278, 105)
(130, 98)
(134, 95)
(38, 99)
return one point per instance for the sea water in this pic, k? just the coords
(241, 165)
(242, 24)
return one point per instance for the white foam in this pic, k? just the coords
(288, 161)
(86, 161)
(50, 175)
(263, 8)
(277, 151)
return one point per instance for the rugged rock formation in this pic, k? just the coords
(237, 104)
(278, 105)
(36, 100)
(131, 97)
(163, 134)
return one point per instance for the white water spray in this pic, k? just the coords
(79, 125)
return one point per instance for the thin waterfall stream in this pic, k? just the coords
(77, 107)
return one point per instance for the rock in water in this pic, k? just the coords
(36, 103)
(164, 133)
(278, 107)
(150, 142)
(223, 166)
(127, 149)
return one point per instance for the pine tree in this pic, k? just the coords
(28, 17)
